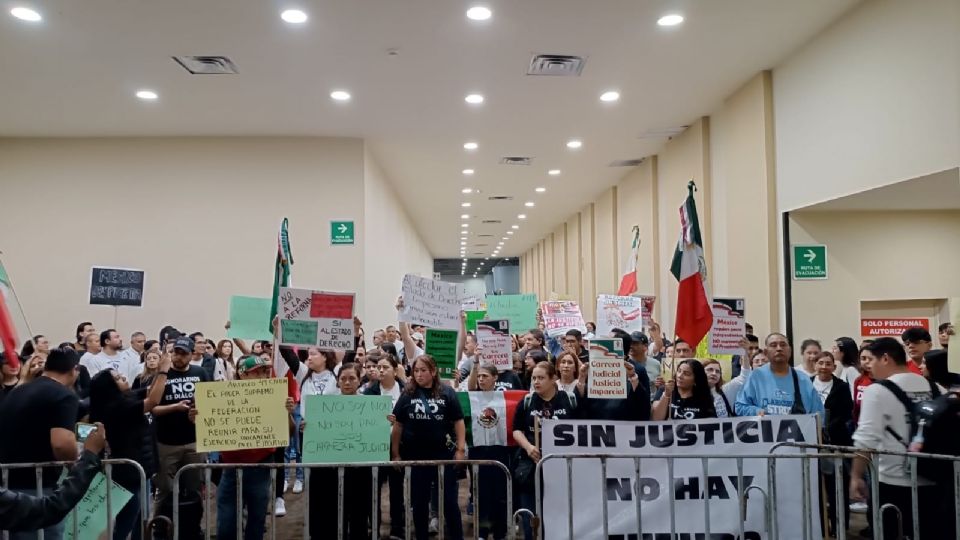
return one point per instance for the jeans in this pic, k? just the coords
(255, 493)
(293, 450)
(421, 479)
(53, 532)
(128, 520)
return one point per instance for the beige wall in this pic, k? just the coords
(588, 258)
(868, 259)
(636, 205)
(606, 278)
(199, 215)
(559, 263)
(574, 260)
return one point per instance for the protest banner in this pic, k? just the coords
(472, 303)
(442, 346)
(729, 326)
(249, 318)
(434, 304)
(608, 374)
(471, 319)
(116, 286)
(347, 429)
(519, 309)
(683, 494)
(561, 316)
(884, 327)
(623, 312)
(242, 415)
(493, 339)
(91, 512)
(316, 318)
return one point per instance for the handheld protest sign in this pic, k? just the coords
(608, 373)
(241, 415)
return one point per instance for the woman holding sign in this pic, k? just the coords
(687, 396)
(429, 426)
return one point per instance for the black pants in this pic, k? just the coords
(421, 479)
(491, 491)
(394, 479)
(902, 498)
(356, 504)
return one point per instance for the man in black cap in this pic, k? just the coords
(638, 353)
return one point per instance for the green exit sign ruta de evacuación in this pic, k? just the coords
(809, 262)
(341, 233)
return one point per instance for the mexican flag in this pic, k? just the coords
(489, 416)
(8, 331)
(694, 314)
(281, 274)
(628, 282)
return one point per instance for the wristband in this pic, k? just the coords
(164, 373)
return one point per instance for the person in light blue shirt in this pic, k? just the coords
(776, 388)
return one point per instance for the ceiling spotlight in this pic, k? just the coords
(466, 190)
(610, 96)
(574, 144)
(470, 146)
(540, 189)
(468, 172)
(147, 95)
(554, 172)
(504, 238)
(514, 226)
(479, 13)
(464, 225)
(294, 16)
(670, 20)
(465, 204)
(26, 14)
(464, 216)
(464, 260)
(509, 232)
(486, 258)
(521, 216)
(474, 99)
(529, 204)
(463, 243)
(340, 95)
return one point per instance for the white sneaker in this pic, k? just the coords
(298, 486)
(279, 509)
(434, 525)
(858, 507)
(286, 485)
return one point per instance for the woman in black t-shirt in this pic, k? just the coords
(546, 401)
(687, 396)
(429, 425)
(122, 410)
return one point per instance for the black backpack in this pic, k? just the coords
(940, 419)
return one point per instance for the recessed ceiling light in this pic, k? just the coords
(466, 190)
(465, 204)
(574, 144)
(504, 238)
(470, 146)
(521, 216)
(481, 264)
(147, 95)
(294, 16)
(25, 14)
(610, 96)
(468, 172)
(479, 13)
(529, 204)
(670, 20)
(554, 172)
(464, 260)
(514, 226)
(464, 225)
(509, 232)
(463, 243)
(474, 99)
(464, 216)
(340, 95)
(486, 258)
(540, 189)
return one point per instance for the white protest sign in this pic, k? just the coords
(493, 339)
(434, 304)
(608, 374)
(623, 312)
(694, 489)
(561, 316)
(316, 318)
(729, 326)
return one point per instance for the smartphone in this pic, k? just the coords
(84, 430)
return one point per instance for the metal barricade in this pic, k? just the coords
(407, 466)
(108, 465)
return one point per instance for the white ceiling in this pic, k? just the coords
(75, 73)
(937, 191)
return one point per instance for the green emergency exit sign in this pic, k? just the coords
(341, 233)
(809, 262)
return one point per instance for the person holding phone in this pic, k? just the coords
(23, 512)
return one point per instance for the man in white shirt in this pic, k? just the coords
(109, 356)
(91, 344)
(131, 366)
(881, 416)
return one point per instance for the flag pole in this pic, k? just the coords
(22, 313)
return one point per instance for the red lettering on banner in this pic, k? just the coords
(891, 327)
(331, 306)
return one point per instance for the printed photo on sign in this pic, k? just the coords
(495, 344)
(561, 316)
(623, 312)
(729, 326)
(608, 374)
(691, 486)
(432, 303)
(316, 318)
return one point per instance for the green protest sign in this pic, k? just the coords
(519, 309)
(91, 512)
(442, 346)
(294, 332)
(249, 318)
(347, 429)
(472, 317)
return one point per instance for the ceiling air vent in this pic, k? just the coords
(490, 222)
(485, 235)
(207, 65)
(481, 245)
(626, 162)
(663, 133)
(556, 65)
(500, 198)
(516, 160)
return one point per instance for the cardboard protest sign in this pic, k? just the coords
(442, 346)
(560, 316)
(493, 339)
(116, 286)
(623, 312)
(434, 304)
(90, 514)
(608, 374)
(242, 415)
(519, 309)
(729, 326)
(249, 318)
(676, 495)
(316, 318)
(471, 319)
(347, 429)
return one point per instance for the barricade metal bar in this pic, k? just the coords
(875, 500)
(306, 502)
(441, 500)
(956, 497)
(38, 474)
(109, 474)
(339, 502)
(206, 501)
(914, 498)
(375, 498)
(638, 496)
(841, 519)
(239, 513)
(511, 530)
(273, 497)
(569, 462)
(772, 500)
(408, 509)
(673, 502)
(475, 493)
(706, 499)
(603, 490)
(741, 496)
(805, 494)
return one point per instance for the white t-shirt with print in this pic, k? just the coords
(823, 388)
(317, 384)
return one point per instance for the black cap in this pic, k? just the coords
(184, 343)
(639, 337)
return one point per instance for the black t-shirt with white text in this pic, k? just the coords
(689, 409)
(529, 409)
(507, 380)
(428, 423)
(176, 428)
